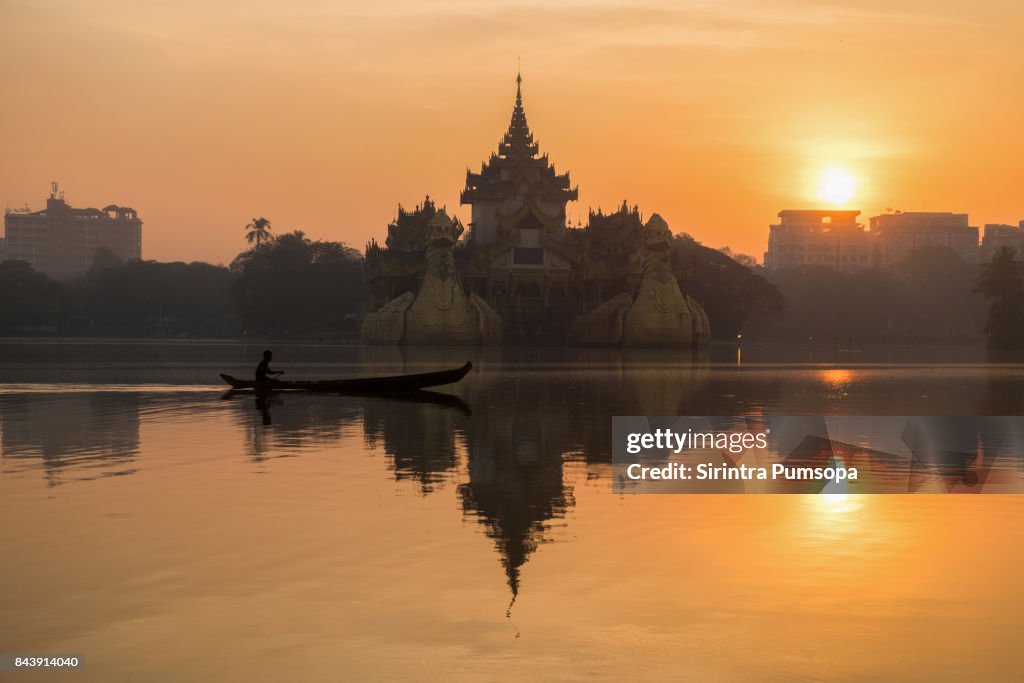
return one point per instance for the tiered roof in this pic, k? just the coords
(408, 232)
(517, 163)
(612, 239)
(403, 252)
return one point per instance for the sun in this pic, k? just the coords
(836, 185)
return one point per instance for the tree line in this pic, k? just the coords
(283, 285)
(291, 285)
(932, 297)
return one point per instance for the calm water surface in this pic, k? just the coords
(169, 531)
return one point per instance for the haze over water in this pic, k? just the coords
(166, 531)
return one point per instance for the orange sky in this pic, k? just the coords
(323, 116)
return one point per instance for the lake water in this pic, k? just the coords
(168, 531)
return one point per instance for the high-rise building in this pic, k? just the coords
(61, 241)
(833, 239)
(1001, 235)
(901, 233)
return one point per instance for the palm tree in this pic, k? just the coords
(1002, 281)
(258, 231)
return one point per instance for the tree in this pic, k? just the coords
(151, 298)
(258, 231)
(104, 258)
(936, 286)
(927, 298)
(297, 286)
(744, 260)
(1001, 280)
(29, 300)
(732, 293)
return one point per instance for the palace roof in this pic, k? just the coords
(516, 167)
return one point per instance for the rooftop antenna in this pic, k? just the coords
(54, 186)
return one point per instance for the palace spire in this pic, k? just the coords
(518, 168)
(518, 140)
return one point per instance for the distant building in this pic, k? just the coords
(1001, 235)
(61, 241)
(818, 237)
(3, 249)
(899, 234)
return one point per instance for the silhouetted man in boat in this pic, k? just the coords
(263, 372)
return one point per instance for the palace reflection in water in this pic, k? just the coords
(503, 440)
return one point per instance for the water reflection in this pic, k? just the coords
(70, 436)
(393, 535)
(510, 453)
(276, 425)
(505, 438)
(421, 436)
(516, 450)
(508, 456)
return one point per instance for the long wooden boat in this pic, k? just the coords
(359, 385)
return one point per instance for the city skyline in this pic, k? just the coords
(332, 117)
